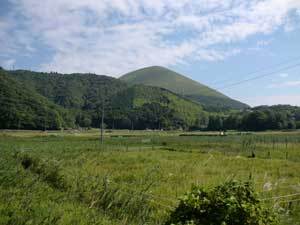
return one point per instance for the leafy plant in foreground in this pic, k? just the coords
(232, 203)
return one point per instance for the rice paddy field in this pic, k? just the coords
(137, 177)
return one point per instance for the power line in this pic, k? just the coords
(278, 188)
(259, 70)
(288, 201)
(260, 76)
(280, 197)
(152, 197)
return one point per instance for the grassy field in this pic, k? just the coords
(136, 177)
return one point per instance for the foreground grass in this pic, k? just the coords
(137, 177)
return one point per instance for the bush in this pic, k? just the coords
(48, 171)
(232, 203)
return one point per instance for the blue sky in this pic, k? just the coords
(218, 43)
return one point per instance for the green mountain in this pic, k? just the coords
(23, 108)
(139, 106)
(72, 91)
(211, 99)
(33, 100)
(160, 105)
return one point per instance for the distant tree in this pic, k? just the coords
(83, 120)
(215, 123)
(298, 124)
(232, 122)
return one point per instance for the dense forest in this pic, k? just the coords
(33, 100)
(84, 96)
(278, 117)
(21, 108)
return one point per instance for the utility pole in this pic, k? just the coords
(102, 123)
(45, 119)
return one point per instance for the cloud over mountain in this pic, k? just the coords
(116, 36)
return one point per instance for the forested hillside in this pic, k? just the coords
(72, 91)
(23, 108)
(211, 99)
(164, 108)
(139, 107)
(32, 100)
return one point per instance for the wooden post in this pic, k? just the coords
(102, 122)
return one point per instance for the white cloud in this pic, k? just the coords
(283, 75)
(215, 55)
(273, 100)
(262, 43)
(294, 83)
(8, 64)
(116, 36)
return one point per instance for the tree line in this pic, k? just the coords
(260, 118)
(155, 116)
(31, 100)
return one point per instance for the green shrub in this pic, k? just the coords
(47, 170)
(232, 203)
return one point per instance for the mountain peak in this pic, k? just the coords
(147, 71)
(158, 76)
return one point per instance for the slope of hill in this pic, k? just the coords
(126, 107)
(165, 106)
(72, 91)
(165, 78)
(23, 108)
